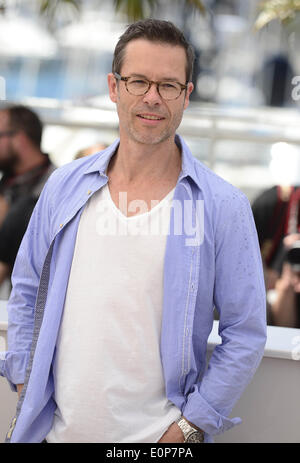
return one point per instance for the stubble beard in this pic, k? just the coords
(148, 136)
(148, 139)
(8, 163)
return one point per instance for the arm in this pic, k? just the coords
(239, 297)
(283, 309)
(19, 388)
(25, 282)
(13, 229)
(4, 207)
(4, 271)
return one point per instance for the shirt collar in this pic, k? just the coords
(100, 163)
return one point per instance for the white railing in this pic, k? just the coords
(269, 407)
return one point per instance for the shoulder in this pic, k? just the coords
(74, 168)
(69, 176)
(67, 184)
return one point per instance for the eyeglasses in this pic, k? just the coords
(7, 133)
(168, 90)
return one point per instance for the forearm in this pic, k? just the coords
(4, 271)
(19, 388)
(283, 309)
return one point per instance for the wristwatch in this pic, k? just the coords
(191, 435)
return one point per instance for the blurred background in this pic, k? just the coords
(243, 120)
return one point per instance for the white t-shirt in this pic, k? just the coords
(109, 384)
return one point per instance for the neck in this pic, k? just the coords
(137, 162)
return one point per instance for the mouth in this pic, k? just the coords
(150, 117)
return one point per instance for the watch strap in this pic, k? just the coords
(190, 433)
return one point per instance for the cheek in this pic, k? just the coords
(125, 111)
(128, 106)
(176, 111)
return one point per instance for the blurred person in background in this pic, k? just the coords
(25, 169)
(272, 215)
(284, 299)
(90, 150)
(277, 220)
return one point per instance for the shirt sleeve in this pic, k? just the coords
(239, 297)
(14, 227)
(25, 282)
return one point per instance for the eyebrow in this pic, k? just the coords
(172, 79)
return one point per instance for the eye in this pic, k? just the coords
(168, 85)
(137, 82)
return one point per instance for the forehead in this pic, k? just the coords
(154, 60)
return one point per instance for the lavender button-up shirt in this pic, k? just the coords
(212, 259)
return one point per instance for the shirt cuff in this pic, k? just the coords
(198, 411)
(13, 367)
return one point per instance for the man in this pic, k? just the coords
(121, 297)
(275, 213)
(25, 169)
(276, 216)
(284, 299)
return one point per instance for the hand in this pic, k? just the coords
(289, 280)
(19, 388)
(289, 240)
(271, 277)
(172, 435)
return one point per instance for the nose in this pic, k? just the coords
(152, 96)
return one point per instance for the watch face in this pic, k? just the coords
(195, 437)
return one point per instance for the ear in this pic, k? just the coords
(189, 90)
(112, 87)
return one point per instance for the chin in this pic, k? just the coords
(149, 139)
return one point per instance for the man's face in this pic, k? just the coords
(155, 62)
(8, 153)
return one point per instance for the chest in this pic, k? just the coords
(138, 199)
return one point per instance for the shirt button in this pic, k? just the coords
(61, 225)
(89, 192)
